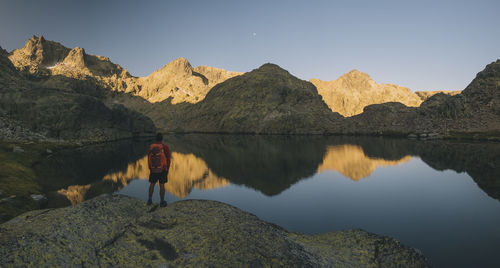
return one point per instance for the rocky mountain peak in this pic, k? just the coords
(355, 75)
(35, 38)
(178, 66)
(38, 52)
(75, 58)
(482, 95)
(356, 80)
(34, 42)
(486, 82)
(271, 67)
(3, 52)
(259, 102)
(353, 91)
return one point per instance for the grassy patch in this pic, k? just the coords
(17, 178)
(491, 135)
(16, 175)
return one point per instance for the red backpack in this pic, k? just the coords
(157, 160)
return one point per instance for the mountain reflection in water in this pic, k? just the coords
(186, 172)
(352, 162)
(269, 164)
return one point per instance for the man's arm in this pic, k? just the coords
(149, 157)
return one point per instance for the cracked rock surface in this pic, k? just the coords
(121, 231)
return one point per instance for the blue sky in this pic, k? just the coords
(423, 45)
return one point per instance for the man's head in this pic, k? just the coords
(159, 137)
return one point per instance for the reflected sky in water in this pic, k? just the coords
(439, 197)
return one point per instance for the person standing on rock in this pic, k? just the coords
(159, 165)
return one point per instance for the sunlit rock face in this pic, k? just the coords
(355, 90)
(38, 54)
(352, 162)
(181, 82)
(177, 80)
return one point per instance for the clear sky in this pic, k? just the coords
(423, 45)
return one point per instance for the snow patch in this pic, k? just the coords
(53, 66)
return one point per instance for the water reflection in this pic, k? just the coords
(73, 175)
(187, 172)
(269, 164)
(352, 162)
(75, 193)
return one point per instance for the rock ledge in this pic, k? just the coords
(116, 230)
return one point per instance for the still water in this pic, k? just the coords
(441, 197)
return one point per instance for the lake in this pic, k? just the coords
(441, 197)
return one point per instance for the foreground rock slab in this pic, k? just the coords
(120, 231)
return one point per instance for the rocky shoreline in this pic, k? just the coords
(116, 230)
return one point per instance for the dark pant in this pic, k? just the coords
(161, 177)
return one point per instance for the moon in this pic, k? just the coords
(254, 34)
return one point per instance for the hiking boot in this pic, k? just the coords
(163, 203)
(149, 202)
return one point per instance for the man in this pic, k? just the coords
(159, 165)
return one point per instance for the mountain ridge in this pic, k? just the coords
(353, 91)
(177, 92)
(266, 100)
(177, 79)
(72, 112)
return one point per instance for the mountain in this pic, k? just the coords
(38, 54)
(353, 91)
(57, 66)
(177, 79)
(41, 57)
(267, 100)
(181, 98)
(474, 112)
(71, 111)
(85, 79)
(181, 82)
